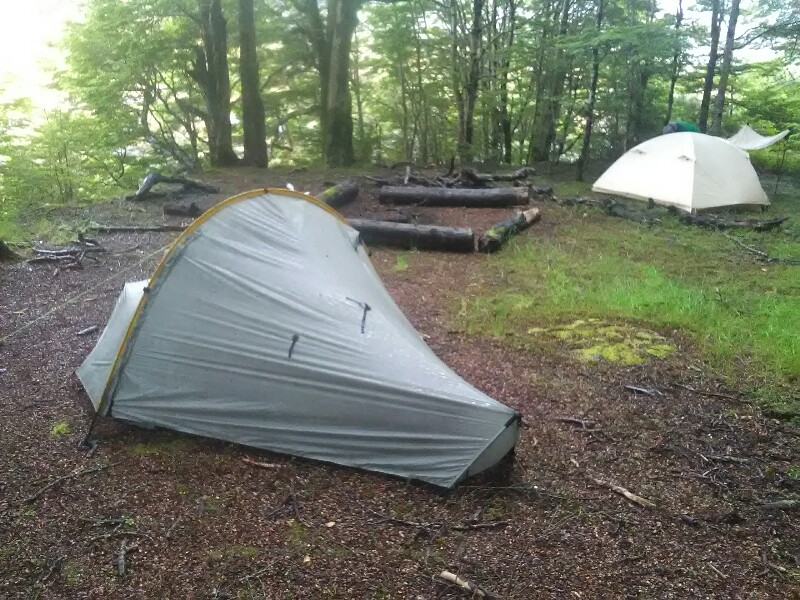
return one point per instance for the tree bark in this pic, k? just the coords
(423, 237)
(491, 198)
(211, 72)
(253, 117)
(708, 83)
(589, 122)
(473, 80)
(725, 70)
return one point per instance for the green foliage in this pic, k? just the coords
(60, 428)
(401, 264)
(678, 280)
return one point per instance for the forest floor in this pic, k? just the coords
(558, 326)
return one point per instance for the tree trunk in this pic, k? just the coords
(702, 120)
(725, 71)
(253, 118)
(676, 64)
(473, 80)
(331, 43)
(338, 121)
(211, 70)
(505, 118)
(489, 198)
(498, 235)
(587, 128)
(425, 237)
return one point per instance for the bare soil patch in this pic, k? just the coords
(206, 524)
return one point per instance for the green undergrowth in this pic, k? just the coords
(680, 281)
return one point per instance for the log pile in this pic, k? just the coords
(466, 178)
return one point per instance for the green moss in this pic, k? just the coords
(230, 553)
(594, 339)
(72, 573)
(60, 428)
(401, 264)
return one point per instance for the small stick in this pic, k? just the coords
(717, 571)
(711, 394)
(121, 555)
(172, 527)
(88, 330)
(581, 423)
(261, 465)
(643, 502)
(64, 478)
(475, 590)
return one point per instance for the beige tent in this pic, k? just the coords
(690, 171)
(747, 139)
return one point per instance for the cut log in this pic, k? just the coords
(341, 194)
(424, 237)
(491, 198)
(179, 209)
(7, 253)
(719, 223)
(497, 236)
(154, 178)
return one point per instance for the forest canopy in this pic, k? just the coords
(185, 84)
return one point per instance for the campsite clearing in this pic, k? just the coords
(191, 519)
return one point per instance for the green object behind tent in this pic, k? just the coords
(685, 126)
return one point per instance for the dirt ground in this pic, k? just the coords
(197, 521)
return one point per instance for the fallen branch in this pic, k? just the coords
(64, 478)
(762, 256)
(177, 209)
(499, 234)
(87, 331)
(136, 228)
(383, 518)
(643, 502)
(260, 465)
(466, 585)
(154, 178)
(787, 504)
(579, 422)
(645, 391)
(710, 394)
(121, 557)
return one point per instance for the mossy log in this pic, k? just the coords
(496, 237)
(340, 194)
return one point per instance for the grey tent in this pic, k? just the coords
(266, 325)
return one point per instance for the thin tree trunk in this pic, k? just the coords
(217, 83)
(253, 118)
(587, 128)
(727, 59)
(676, 64)
(505, 118)
(473, 79)
(708, 83)
(342, 21)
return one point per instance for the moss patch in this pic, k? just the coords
(61, 428)
(592, 340)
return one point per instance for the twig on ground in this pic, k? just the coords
(466, 585)
(711, 394)
(121, 557)
(643, 502)
(646, 391)
(579, 422)
(64, 478)
(290, 498)
(717, 571)
(260, 465)
(172, 527)
(88, 330)
(433, 525)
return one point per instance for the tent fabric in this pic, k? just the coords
(747, 139)
(690, 171)
(266, 325)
